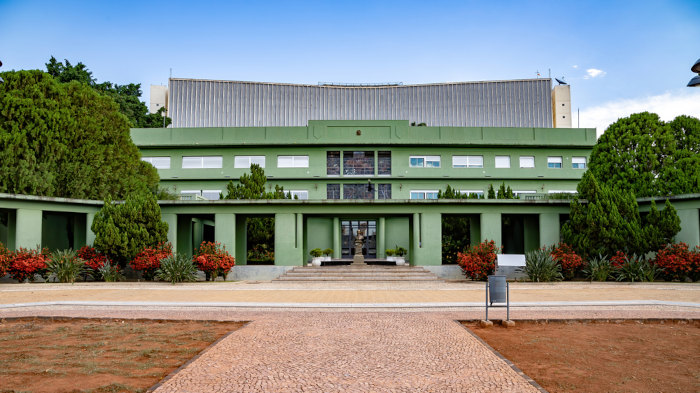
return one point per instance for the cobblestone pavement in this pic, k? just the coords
(348, 352)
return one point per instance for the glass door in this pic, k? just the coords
(349, 230)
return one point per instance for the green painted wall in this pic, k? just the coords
(690, 227)
(289, 241)
(241, 254)
(318, 234)
(397, 233)
(532, 232)
(29, 229)
(225, 231)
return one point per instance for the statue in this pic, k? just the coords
(359, 259)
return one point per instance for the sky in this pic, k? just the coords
(620, 57)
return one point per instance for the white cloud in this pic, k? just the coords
(594, 73)
(575, 66)
(667, 106)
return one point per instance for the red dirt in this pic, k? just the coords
(70, 355)
(603, 357)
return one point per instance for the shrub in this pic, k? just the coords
(676, 261)
(618, 259)
(400, 251)
(4, 260)
(540, 266)
(598, 268)
(25, 263)
(148, 260)
(65, 265)
(316, 252)
(213, 259)
(110, 272)
(478, 261)
(177, 268)
(327, 252)
(93, 261)
(636, 268)
(390, 252)
(569, 261)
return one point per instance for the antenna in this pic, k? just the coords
(171, 73)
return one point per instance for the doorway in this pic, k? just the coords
(349, 230)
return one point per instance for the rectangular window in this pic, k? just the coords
(471, 193)
(332, 191)
(158, 162)
(553, 162)
(424, 161)
(467, 161)
(357, 191)
(383, 191)
(245, 162)
(333, 163)
(292, 161)
(358, 163)
(422, 194)
(502, 161)
(212, 195)
(576, 162)
(299, 194)
(562, 191)
(527, 161)
(190, 195)
(520, 194)
(384, 163)
(202, 162)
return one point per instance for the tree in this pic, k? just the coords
(65, 140)
(649, 157)
(491, 194)
(122, 230)
(126, 96)
(661, 226)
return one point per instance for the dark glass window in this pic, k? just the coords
(333, 163)
(383, 191)
(358, 191)
(358, 163)
(384, 163)
(332, 191)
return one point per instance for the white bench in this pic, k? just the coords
(511, 265)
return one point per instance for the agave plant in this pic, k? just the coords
(177, 268)
(637, 268)
(540, 266)
(65, 266)
(598, 268)
(110, 273)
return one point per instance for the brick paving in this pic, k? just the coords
(348, 352)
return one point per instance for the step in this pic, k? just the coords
(358, 273)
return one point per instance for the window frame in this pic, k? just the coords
(468, 161)
(527, 157)
(296, 192)
(552, 162)
(480, 193)
(425, 194)
(426, 159)
(495, 162)
(150, 159)
(220, 160)
(574, 163)
(250, 161)
(294, 161)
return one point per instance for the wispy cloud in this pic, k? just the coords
(667, 106)
(575, 66)
(594, 73)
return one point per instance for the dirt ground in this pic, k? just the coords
(603, 357)
(76, 355)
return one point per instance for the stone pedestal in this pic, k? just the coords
(358, 260)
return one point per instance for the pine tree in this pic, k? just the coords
(661, 226)
(502, 194)
(491, 194)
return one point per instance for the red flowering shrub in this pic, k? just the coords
(24, 263)
(677, 261)
(478, 261)
(4, 260)
(618, 259)
(213, 259)
(93, 259)
(148, 260)
(568, 260)
(695, 275)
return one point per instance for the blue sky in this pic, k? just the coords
(618, 56)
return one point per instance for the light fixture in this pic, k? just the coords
(695, 82)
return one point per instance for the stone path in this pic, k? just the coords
(348, 352)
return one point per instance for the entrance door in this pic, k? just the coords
(349, 231)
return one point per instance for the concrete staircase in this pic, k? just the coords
(357, 273)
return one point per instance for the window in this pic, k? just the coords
(467, 161)
(503, 162)
(421, 194)
(384, 162)
(383, 191)
(479, 193)
(357, 191)
(299, 194)
(424, 161)
(358, 163)
(333, 163)
(553, 162)
(212, 195)
(576, 162)
(292, 161)
(527, 161)
(246, 161)
(562, 191)
(332, 191)
(202, 162)
(158, 162)
(519, 193)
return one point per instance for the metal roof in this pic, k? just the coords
(211, 103)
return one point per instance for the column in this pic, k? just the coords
(89, 234)
(225, 231)
(288, 240)
(690, 227)
(381, 238)
(429, 251)
(241, 234)
(549, 229)
(337, 246)
(414, 249)
(28, 228)
(171, 219)
(491, 227)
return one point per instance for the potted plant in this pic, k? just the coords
(390, 254)
(327, 252)
(316, 254)
(400, 252)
